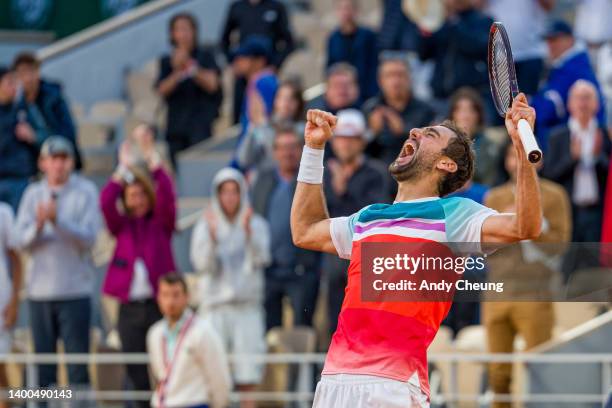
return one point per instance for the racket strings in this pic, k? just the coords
(501, 72)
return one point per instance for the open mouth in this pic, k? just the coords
(407, 153)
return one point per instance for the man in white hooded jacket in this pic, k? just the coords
(230, 249)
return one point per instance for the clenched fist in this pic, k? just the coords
(319, 127)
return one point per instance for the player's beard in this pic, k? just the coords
(420, 164)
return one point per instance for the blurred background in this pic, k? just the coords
(210, 84)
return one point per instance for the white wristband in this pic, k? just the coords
(311, 166)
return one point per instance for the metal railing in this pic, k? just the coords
(306, 360)
(103, 28)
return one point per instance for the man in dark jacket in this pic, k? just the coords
(355, 45)
(267, 18)
(294, 272)
(578, 159)
(459, 50)
(397, 31)
(19, 142)
(45, 103)
(352, 182)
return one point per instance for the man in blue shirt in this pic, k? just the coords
(294, 272)
(355, 45)
(570, 62)
(252, 60)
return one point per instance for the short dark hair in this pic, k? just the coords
(283, 128)
(459, 150)
(395, 57)
(174, 279)
(26, 58)
(192, 22)
(342, 68)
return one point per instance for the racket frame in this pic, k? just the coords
(534, 154)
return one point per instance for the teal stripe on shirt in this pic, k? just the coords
(429, 210)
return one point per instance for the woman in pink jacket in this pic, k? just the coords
(139, 206)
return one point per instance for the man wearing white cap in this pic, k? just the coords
(352, 182)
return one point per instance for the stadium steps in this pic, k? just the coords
(592, 336)
(576, 323)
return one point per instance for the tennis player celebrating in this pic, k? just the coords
(377, 356)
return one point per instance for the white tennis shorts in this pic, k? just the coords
(365, 391)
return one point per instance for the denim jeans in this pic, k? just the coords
(68, 320)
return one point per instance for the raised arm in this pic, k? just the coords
(108, 204)
(309, 217)
(165, 197)
(526, 222)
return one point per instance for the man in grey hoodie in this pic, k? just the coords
(57, 225)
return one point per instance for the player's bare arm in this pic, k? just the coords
(526, 222)
(309, 215)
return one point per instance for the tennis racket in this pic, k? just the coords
(504, 87)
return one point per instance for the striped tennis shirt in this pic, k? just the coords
(390, 339)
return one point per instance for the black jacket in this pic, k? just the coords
(55, 113)
(358, 49)
(17, 159)
(396, 31)
(459, 49)
(368, 185)
(191, 109)
(267, 18)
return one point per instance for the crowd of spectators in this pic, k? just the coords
(241, 246)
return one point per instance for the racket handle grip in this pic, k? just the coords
(534, 154)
